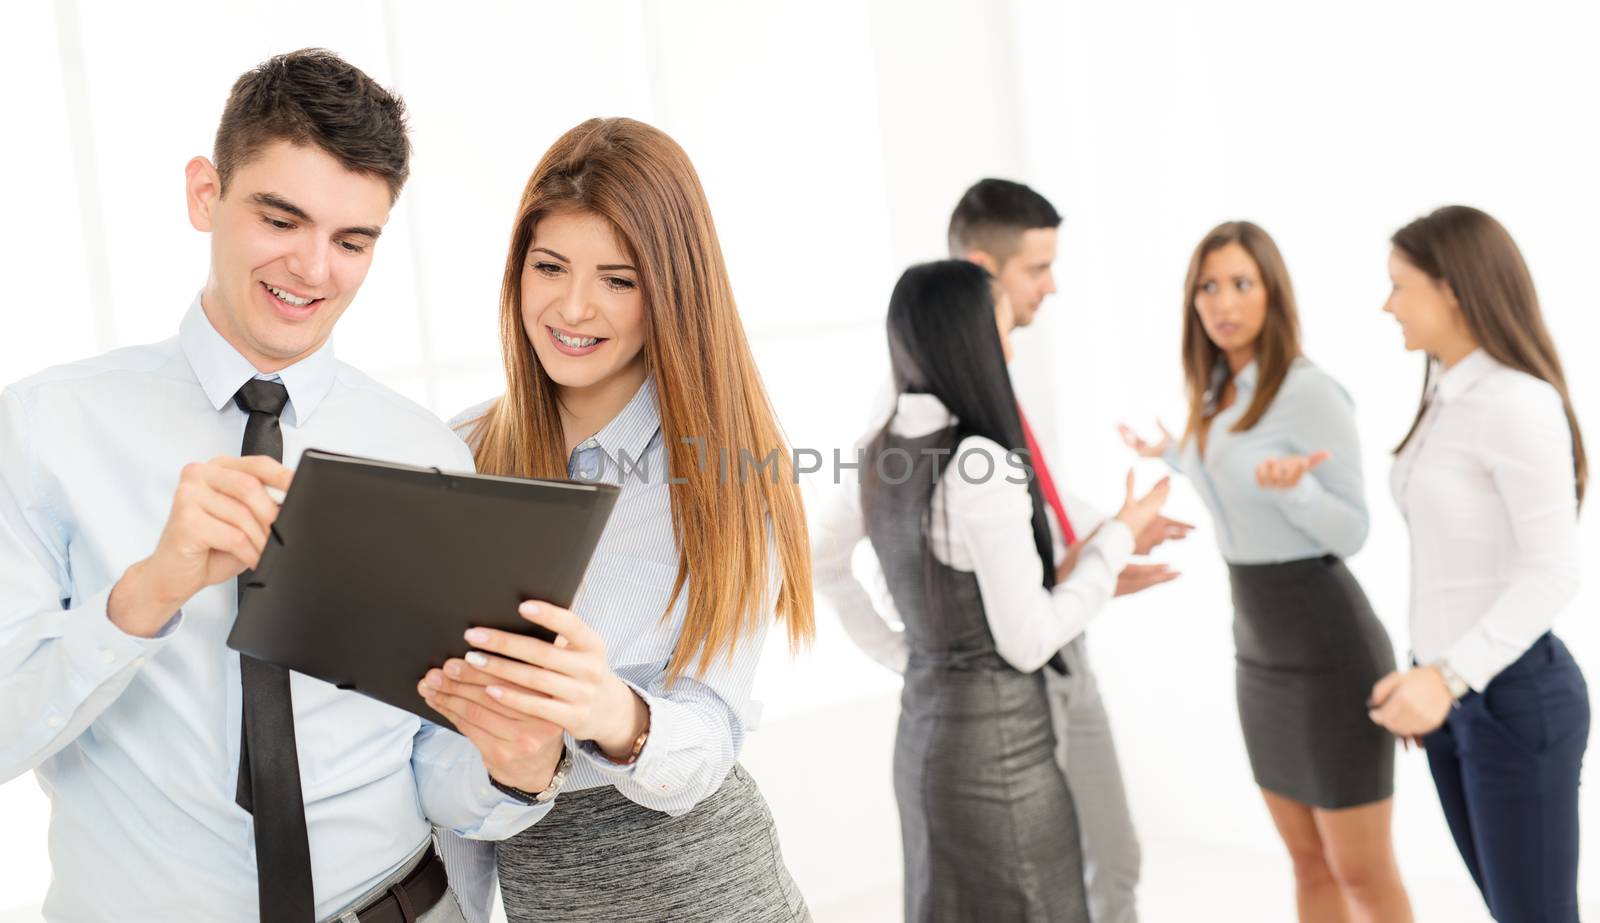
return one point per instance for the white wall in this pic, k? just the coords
(832, 138)
(1331, 131)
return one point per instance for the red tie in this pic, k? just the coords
(1047, 484)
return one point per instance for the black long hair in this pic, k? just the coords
(943, 341)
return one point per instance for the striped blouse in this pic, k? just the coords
(698, 724)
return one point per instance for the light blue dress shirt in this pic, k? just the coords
(136, 741)
(1326, 513)
(698, 724)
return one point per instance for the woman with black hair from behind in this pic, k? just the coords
(958, 525)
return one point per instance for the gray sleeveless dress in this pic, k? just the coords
(988, 824)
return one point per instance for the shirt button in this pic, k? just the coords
(55, 721)
(108, 656)
(138, 661)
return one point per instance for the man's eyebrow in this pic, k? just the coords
(275, 201)
(279, 203)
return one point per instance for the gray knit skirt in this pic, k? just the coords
(598, 856)
(1308, 651)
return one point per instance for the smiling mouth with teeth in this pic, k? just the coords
(289, 298)
(574, 342)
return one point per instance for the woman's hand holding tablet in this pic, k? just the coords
(511, 689)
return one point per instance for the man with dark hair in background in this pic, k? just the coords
(188, 781)
(1011, 230)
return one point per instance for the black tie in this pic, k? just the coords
(269, 767)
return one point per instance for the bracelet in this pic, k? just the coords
(633, 755)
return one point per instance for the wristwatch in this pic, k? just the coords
(557, 779)
(1458, 687)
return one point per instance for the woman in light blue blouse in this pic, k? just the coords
(626, 362)
(1271, 447)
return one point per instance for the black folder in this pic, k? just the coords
(374, 570)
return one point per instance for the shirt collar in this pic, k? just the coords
(920, 414)
(1459, 378)
(222, 371)
(632, 429)
(1246, 379)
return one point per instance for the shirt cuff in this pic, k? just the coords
(898, 657)
(654, 765)
(503, 815)
(1115, 541)
(98, 649)
(1478, 658)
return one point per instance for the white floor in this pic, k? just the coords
(840, 833)
(1190, 883)
(825, 774)
(1184, 883)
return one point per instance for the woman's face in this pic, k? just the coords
(1230, 299)
(1429, 315)
(1005, 318)
(582, 308)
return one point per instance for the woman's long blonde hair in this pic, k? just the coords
(710, 395)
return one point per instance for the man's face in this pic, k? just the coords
(291, 242)
(1026, 276)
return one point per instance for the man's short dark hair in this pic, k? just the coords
(314, 97)
(992, 215)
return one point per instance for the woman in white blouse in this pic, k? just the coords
(1489, 480)
(958, 525)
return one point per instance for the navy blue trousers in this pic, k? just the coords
(1506, 764)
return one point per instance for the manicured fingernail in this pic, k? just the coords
(423, 688)
(529, 608)
(497, 692)
(477, 659)
(435, 680)
(453, 668)
(477, 635)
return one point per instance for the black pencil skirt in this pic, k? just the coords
(1308, 651)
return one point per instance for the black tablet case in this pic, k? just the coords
(374, 570)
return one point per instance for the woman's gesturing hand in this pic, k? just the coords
(1145, 449)
(1284, 473)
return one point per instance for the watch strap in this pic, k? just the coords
(557, 779)
(1458, 687)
